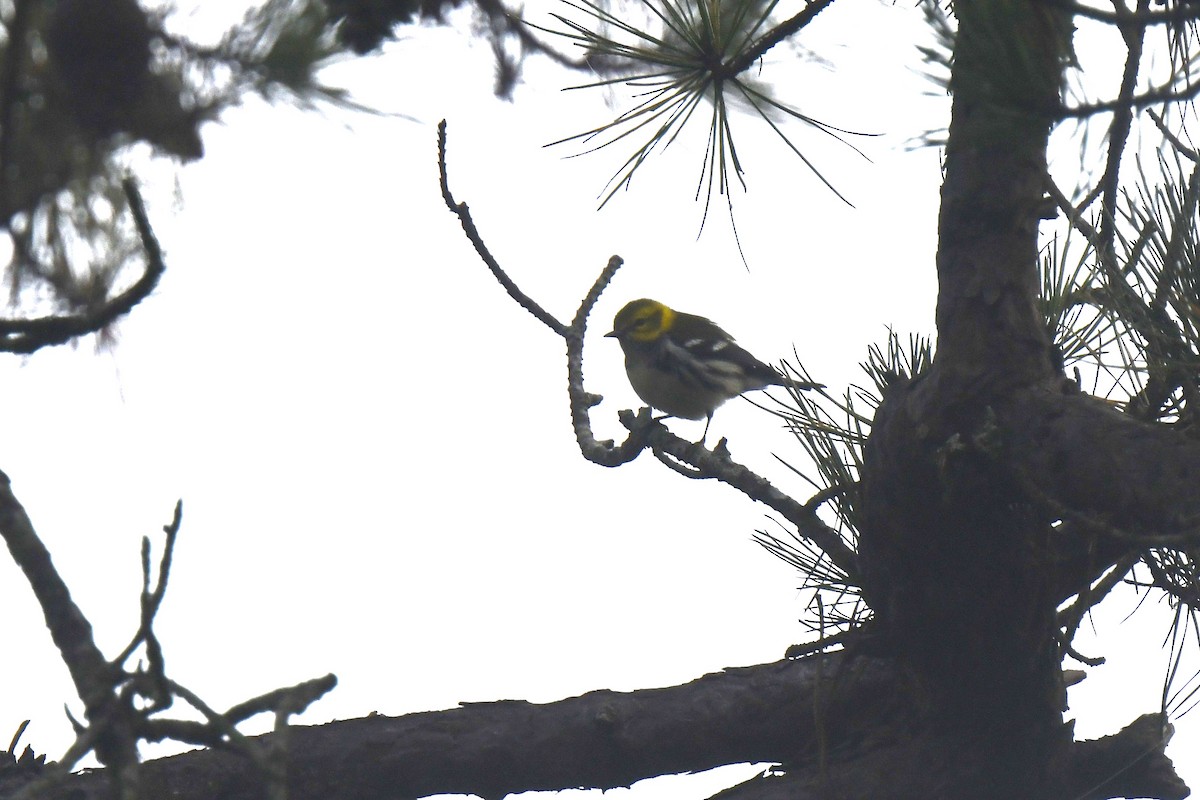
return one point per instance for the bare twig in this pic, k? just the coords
(1073, 214)
(1118, 134)
(823, 643)
(468, 225)
(605, 453)
(1163, 94)
(1175, 13)
(289, 699)
(779, 33)
(1180, 147)
(12, 746)
(151, 600)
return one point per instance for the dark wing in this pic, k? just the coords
(713, 346)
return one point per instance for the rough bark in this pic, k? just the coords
(603, 739)
(957, 554)
(837, 724)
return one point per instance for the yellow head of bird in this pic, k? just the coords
(642, 320)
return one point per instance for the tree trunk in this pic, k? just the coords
(955, 555)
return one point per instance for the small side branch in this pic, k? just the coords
(718, 465)
(1153, 97)
(605, 453)
(468, 226)
(779, 33)
(28, 335)
(1176, 14)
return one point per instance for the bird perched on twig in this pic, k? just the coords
(685, 365)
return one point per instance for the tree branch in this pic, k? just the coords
(69, 628)
(468, 225)
(1130, 763)
(120, 703)
(602, 739)
(718, 465)
(644, 431)
(1118, 134)
(836, 723)
(28, 335)
(1127, 764)
(1133, 481)
(781, 32)
(1176, 13)
(94, 677)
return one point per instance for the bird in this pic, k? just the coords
(685, 365)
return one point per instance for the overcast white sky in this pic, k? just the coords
(372, 442)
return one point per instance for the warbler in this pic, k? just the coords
(685, 365)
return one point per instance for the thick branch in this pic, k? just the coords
(1127, 764)
(1130, 480)
(775, 712)
(836, 723)
(1130, 763)
(91, 673)
(69, 628)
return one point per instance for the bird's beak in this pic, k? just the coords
(612, 335)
